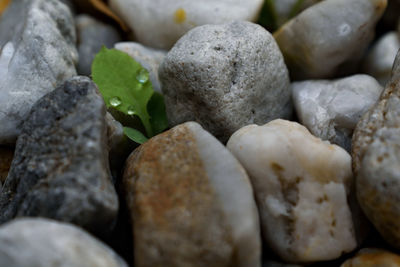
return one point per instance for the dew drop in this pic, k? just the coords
(142, 76)
(131, 111)
(115, 101)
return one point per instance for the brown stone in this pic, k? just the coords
(6, 156)
(373, 258)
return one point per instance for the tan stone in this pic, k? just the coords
(191, 203)
(373, 258)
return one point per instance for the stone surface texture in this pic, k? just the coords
(328, 38)
(191, 203)
(92, 36)
(373, 258)
(331, 109)
(43, 242)
(225, 77)
(60, 168)
(37, 52)
(6, 156)
(149, 58)
(380, 58)
(302, 185)
(284, 8)
(376, 158)
(160, 23)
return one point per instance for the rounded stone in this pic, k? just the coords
(373, 258)
(160, 23)
(225, 77)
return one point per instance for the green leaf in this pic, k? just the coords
(135, 135)
(124, 84)
(268, 17)
(156, 109)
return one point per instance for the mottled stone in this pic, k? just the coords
(380, 58)
(92, 36)
(302, 185)
(6, 156)
(225, 77)
(331, 109)
(37, 51)
(373, 258)
(42, 242)
(191, 203)
(328, 38)
(160, 24)
(60, 167)
(149, 58)
(376, 161)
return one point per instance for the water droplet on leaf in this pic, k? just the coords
(115, 101)
(131, 111)
(142, 76)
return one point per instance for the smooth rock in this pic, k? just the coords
(6, 156)
(42, 242)
(160, 24)
(329, 38)
(191, 203)
(373, 258)
(376, 161)
(225, 77)
(302, 185)
(331, 109)
(149, 58)
(285, 8)
(60, 167)
(380, 58)
(37, 52)
(92, 36)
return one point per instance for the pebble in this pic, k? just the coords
(225, 77)
(285, 8)
(379, 61)
(92, 36)
(60, 167)
(376, 157)
(191, 202)
(36, 55)
(42, 242)
(160, 24)
(329, 39)
(148, 57)
(373, 258)
(331, 109)
(302, 185)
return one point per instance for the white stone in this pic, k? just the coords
(149, 58)
(160, 23)
(43, 242)
(328, 38)
(379, 60)
(331, 109)
(301, 186)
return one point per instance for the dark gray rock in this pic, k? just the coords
(225, 77)
(92, 35)
(37, 52)
(42, 242)
(60, 167)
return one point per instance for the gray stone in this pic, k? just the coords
(284, 8)
(42, 242)
(60, 167)
(302, 187)
(191, 203)
(92, 36)
(380, 58)
(331, 109)
(376, 161)
(149, 58)
(37, 52)
(329, 38)
(160, 24)
(225, 77)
